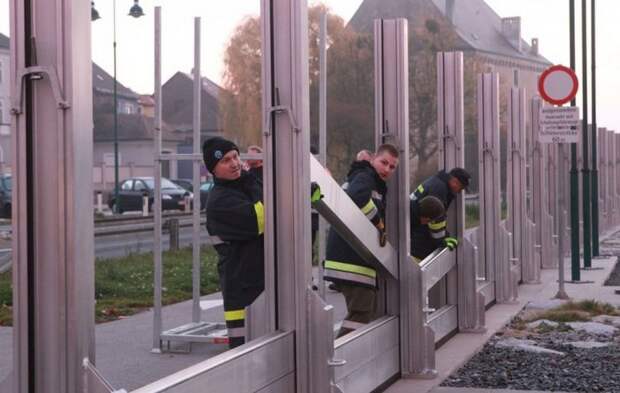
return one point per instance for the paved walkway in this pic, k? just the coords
(457, 351)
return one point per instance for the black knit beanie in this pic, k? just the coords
(214, 149)
(431, 207)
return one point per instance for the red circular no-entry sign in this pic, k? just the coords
(558, 85)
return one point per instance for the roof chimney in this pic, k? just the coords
(511, 30)
(450, 10)
(534, 49)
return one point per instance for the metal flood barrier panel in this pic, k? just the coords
(603, 171)
(518, 221)
(612, 218)
(462, 292)
(540, 209)
(499, 282)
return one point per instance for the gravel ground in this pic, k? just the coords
(577, 370)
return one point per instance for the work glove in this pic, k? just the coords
(450, 243)
(315, 193)
(382, 233)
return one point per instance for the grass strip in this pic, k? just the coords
(124, 286)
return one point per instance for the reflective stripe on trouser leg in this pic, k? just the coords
(235, 323)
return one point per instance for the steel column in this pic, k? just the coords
(494, 241)
(518, 221)
(461, 281)
(587, 181)
(601, 181)
(196, 177)
(392, 126)
(611, 180)
(157, 260)
(53, 269)
(286, 143)
(540, 191)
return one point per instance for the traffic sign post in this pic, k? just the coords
(558, 85)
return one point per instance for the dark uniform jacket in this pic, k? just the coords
(342, 263)
(427, 238)
(422, 241)
(235, 220)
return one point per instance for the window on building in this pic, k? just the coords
(515, 77)
(1, 65)
(1, 107)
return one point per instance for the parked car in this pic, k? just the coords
(6, 187)
(204, 193)
(132, 190)
(187, 184)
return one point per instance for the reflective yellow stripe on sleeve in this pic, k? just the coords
(420, 189)
(437, 225)
(235, 315)
(260, 216)
(347, 267)
(369, 206)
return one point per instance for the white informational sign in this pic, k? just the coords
(559, 125)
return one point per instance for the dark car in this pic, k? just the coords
(132, 190)
(5, 195)
(187, 184)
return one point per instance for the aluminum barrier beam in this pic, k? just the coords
(540, 191)
(52, 144)
(518, 221)
(461, 281)
(494, 244)
(342, 213)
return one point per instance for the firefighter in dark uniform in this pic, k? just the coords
(354, 277)
(422, 214)
(443, 186)
(235, 221)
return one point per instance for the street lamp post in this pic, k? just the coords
(136, 12)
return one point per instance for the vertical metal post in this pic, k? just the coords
(601, 181)
(52, 145)
(115, 103)
(392, 126)
(286, 143)
(462, 289)
(157, 257)
(611, 176)
(561, 294)
(587, 182)
(517, 213)
(574, 174)
(540, 191)
(322, 138)
(595, 209)
(196, 177)
(489, 174)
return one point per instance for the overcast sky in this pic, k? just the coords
(544, 19)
